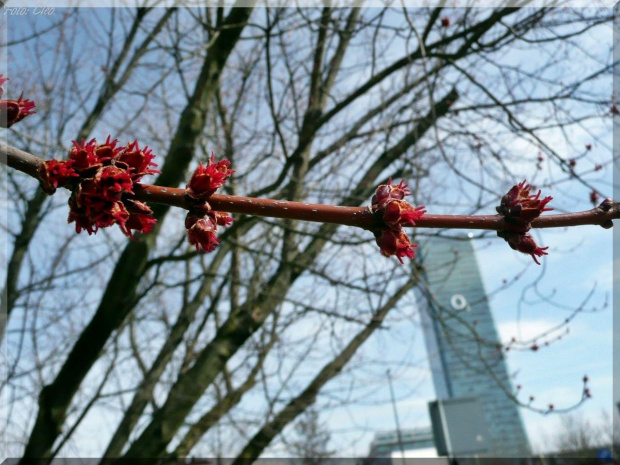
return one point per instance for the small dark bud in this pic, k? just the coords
(607, 224)
(606, 204)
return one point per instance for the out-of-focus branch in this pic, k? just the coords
(349, 216)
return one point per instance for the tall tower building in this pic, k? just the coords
(462, 342)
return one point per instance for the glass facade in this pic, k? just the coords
(463, 346)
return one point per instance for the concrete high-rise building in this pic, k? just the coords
(463, 345)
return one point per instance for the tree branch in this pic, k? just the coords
(361, 217)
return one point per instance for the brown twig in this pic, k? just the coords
(350, 216)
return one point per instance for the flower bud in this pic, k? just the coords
(523, 243)
(136, 161)
(395, 242)
(140, 219)
(594, 197)
(519, 207)
(396, 212)
(13, 111)
(207, 179)
(387, 192)
(54, 173)
(201, 232)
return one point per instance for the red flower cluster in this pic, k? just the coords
(520, 208)
(207, 179)
(13, 111)
(388, 204)
(201, 222)
(101, 175)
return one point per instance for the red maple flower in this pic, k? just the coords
(83, 155)
(113, 182)
(110, 213)
(201, 231)
(13, 111)
(54, 173)
(395, 242)
(524, 243)
(397, 212)
(106, 151)
(137, 161)
(445, 21)
(223, 218)
(78, 215)
(207, 179)
(389, 205)
(105, 173)
(387, 192)
(520, 208)
(140, 219)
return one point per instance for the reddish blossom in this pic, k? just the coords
(83, 155)
(113, 182)
(550, 406)
(445, 21)
(614, 110)
(388, 204)
(78, 215)
(111, 213)
(137, 161)
(524, 243)
(106, 151)
(594, 197)
(140, 219)
(398, 212)
(387, 192)
(201, 232)
(54, 173)
(223, 218)
(13, 111)
(395, 242)
(588, 146)
(107, 172)
(520, 208)
(208, 178)
(587, 393)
